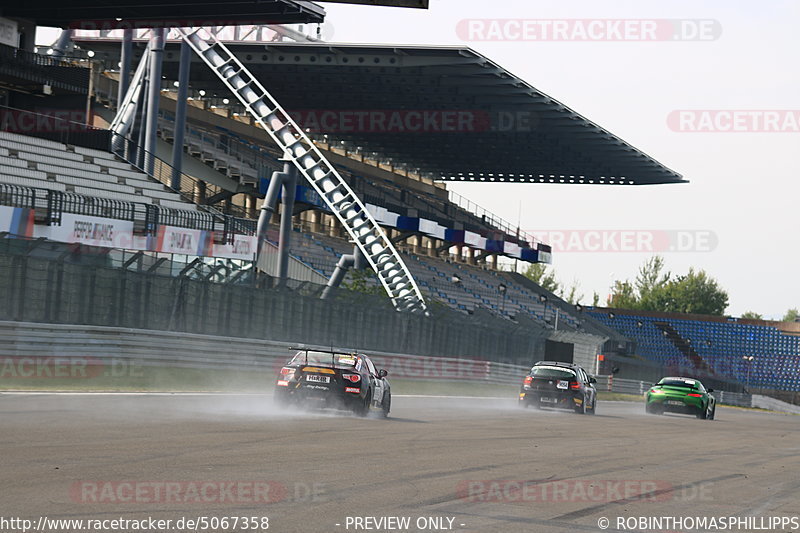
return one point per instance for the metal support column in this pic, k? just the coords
(287, 210)
(142, 140)
(125, 65)
(154, 93)
(287, 180)
(180, 114)
(61, 44)
(271, 202)
(356, 260)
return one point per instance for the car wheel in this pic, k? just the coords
(387, 405)
(652, 409)
(593, 410)
(712, 413)
(362, 408)
(581, 409)
(702, 414)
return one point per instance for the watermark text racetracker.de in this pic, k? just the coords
(589, 30)
(63, 367)
(627, 240)
(580, 490)
(734, 121)
(200, 492)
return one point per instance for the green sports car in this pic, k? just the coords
(681, 395)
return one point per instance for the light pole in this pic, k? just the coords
(749, 359)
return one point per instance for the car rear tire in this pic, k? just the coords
(702, 414)
(387, 406)
(593, 410)
(581, 409)
(362, 408)
(712, 413)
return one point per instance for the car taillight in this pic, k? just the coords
(528, 380)
(574, 385)
(694, 395)
(287, 372)
(353, 378)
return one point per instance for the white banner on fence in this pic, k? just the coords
(175, 240)
(243, 247)
(473, 239)
(512, 249)
(92, 231)
(432, 228)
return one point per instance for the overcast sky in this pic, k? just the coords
(744, 186)
(743, 190)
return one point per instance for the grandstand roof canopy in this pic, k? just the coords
(459, 115)
(106, 14)
(422, 4)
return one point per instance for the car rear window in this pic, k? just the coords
(552, 372)
(672, 382)
(336, 360)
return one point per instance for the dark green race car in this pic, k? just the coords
(681, 395)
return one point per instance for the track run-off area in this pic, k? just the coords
(439, 463)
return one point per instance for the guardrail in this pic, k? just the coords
(122, 347)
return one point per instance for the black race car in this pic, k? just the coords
(560, 385)
(334, 380)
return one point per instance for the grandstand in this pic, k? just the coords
(33, 162)
(754, 354)
(222, 166)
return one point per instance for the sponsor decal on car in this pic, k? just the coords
(318, 370)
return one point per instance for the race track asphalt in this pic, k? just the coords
(485, 464)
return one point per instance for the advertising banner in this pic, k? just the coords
(243, 247)
(174, 240)
(93, 231)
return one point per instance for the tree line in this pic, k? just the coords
(654, 289)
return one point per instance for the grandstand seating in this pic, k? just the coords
(477, 289)
(712, 347)
(34, 162)
(226, 153)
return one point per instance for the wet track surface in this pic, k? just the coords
(485, 463)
